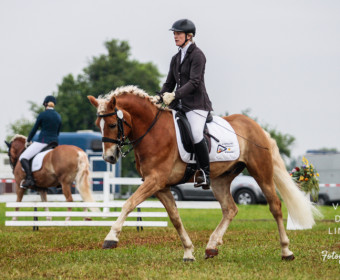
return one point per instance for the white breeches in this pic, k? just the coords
(32, 150)
(197, 119)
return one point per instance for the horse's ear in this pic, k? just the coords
(93, 100)
(8, 144)
(112, 104)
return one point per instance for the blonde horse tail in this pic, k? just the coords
(82, 180)
(300, 208)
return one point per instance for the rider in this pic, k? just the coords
(50, 122)
(187, 72)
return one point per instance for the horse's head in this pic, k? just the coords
(15, 148)
(114, 124)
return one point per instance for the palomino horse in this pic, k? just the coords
(62, 165)
(128, 113)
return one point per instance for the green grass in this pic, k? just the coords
(251, 250)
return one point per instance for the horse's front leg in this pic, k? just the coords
(148, 188)
(167, 199)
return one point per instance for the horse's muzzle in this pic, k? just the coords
(110, 159)
(112, 155)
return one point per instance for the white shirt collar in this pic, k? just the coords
(184, 50)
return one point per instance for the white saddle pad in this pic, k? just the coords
(226, 149)
(38, 160)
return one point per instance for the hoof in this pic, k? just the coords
(288, 258)
(109, 244)
(210, 253)
(188, 260)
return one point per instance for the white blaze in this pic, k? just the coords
(102, 123)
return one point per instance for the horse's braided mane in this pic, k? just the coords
(18, 136)
(134, 90)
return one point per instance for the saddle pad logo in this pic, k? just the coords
(221, 149)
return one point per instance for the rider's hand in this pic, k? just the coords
(168, 97)
(27, 144)
(157, 99)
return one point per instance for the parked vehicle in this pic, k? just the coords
(244, 190)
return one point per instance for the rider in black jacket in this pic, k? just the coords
(187, 69)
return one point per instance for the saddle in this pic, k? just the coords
(188, 142)
(50, 146)
(186, 133)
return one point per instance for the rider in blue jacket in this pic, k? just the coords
(49, 122)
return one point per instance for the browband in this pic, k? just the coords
(107, 115)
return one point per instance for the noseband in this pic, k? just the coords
(121, 137)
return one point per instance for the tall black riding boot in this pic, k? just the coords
(202, 156)
(29, 177)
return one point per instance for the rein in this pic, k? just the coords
(121, 139)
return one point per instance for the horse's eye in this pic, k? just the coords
(112, 125)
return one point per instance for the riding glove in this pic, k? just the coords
(168, 97)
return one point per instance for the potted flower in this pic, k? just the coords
(306, 177)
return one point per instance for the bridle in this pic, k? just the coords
(121, 140)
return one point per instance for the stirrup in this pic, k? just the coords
(21, 185)
(205, 183)
(27, 183)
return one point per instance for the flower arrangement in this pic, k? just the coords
(306, 177)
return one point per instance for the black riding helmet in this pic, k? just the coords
(184, 25)
(49, 98)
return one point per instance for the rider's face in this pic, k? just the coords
(179, 38)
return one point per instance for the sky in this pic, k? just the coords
(280, 59)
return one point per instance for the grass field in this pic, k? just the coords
(251, 250)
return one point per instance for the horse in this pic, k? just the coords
(129, 116)
(61, 166)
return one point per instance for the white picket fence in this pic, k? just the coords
(32, 212)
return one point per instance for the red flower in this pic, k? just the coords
(297, 168)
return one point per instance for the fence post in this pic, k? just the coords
(106, 190)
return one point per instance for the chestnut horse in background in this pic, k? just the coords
(61, 166)
(128, 115)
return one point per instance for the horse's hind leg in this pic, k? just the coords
(168, 201)
(82, 181)
(275, 208)
(43, 196)
(221, 190)
(66, 187)
(268, 188)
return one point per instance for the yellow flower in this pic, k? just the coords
(305, 161)
(317, 174)
(301, 178)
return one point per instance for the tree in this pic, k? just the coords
(284, 141)
(103, 74)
